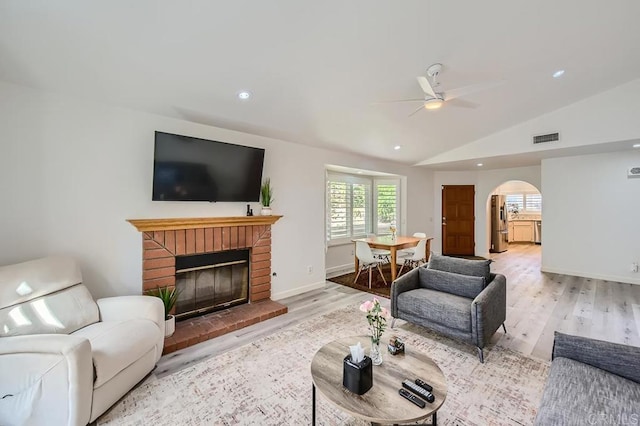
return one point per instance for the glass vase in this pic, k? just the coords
(376, 354)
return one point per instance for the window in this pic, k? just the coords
(533, 202)
(357, 206)
(523, 203)
(387, 199)
(515, 202)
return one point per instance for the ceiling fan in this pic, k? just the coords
(435, 97)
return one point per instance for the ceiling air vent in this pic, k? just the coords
(633, 172)
(551, 137)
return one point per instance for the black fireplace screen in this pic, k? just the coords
(211, 281)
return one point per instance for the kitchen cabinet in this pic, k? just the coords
(521, 231)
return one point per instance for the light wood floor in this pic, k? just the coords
(540, 303)
(537, 304)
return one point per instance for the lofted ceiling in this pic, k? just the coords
(317, 70)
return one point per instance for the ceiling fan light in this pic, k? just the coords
(433, 103)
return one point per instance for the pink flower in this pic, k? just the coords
(366, 306)
(384, 312)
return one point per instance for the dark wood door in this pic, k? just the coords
(458, 219)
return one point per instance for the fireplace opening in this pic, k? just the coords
(211, 282)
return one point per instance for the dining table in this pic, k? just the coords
(393, 244)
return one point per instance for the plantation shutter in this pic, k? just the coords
(517, 200)
(387, 201)
(349, 207)
(533, 202)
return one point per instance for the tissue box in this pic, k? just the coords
(357, 377)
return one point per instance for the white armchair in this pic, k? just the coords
(65, 358)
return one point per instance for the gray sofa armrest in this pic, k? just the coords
(409, 281)
(615, 358)
(489, 310)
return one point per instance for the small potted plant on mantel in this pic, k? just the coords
(266, 197)
(169, 296)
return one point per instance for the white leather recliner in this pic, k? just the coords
(65, 358)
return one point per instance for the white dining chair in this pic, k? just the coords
(416, 258)
(409, 251)
(367, 261)
(382, 254)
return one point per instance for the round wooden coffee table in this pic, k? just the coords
(382, 403)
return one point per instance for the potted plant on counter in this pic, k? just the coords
(266, 197)
(169, 297)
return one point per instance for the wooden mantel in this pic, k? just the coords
(145, 225)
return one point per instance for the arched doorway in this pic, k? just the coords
(514, 217)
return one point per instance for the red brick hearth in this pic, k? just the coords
(164, 239)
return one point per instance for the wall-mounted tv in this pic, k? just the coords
(192, 169)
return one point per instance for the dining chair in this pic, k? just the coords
(409, 251)
(416, 258)
(381, 254)
(367, 261)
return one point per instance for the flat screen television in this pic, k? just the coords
(193, 169)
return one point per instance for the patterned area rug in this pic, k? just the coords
(378, 286)
(268, 382)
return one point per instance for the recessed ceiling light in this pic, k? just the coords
(636, 145)
(359, 172)
(479, 164)
(244, 95)
(397, 147)
(558, 74)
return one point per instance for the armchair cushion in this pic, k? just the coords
(449, 282)
(29, 280)
(475, 268)
(438, 307)
(62, 312)
(116, 345)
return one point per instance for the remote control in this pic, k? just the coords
(411, 397)
(424, 385)
(408, 384)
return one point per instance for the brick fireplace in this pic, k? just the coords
(165, 239)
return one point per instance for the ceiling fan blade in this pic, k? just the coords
(414, 112)
(461, 103)
(397, 101)
(426, 86)
(467, 90)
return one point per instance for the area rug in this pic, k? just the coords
(268, 382)
(377, 285)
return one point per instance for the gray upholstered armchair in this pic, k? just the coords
(459, 298)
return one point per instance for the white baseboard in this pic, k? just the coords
(339, 270)
(613, 278)
(298, 290)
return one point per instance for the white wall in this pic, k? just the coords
(610, 116)
(516, 187)
(485, 181)
(73, 171)
(22, 232)
(591, 216)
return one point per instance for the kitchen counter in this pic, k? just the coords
(525, 217)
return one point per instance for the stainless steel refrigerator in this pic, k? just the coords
(499, 224)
